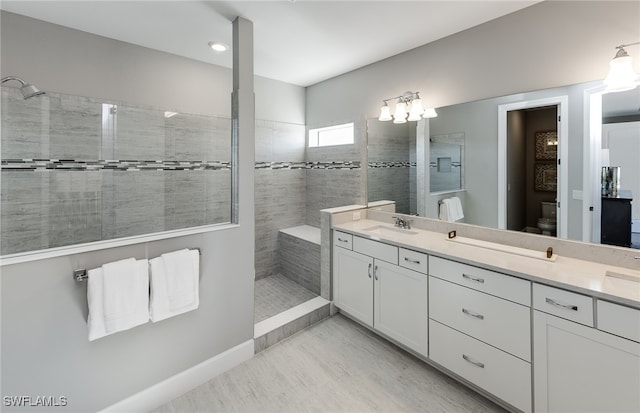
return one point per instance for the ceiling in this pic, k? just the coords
(301, 42)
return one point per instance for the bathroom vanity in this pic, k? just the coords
(532, 330)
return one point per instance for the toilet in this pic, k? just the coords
(547, 223)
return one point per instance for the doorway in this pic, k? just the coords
(532, 162)
(611, 132)
(531, 174)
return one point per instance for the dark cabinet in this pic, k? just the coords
(615, 220)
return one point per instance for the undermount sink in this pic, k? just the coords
(540, 255)
(623, 276)
(386, 231)
(622, 281)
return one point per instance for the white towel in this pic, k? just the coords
(118, 297)
(451, 209)
(174, 284)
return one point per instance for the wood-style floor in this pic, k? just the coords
(333, 366)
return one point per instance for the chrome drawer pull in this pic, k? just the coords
(475, 363)
(369, 270)
(375, 272)
(412, 261)
(472, 314)
(343, 240)
(557, 304)
(468, 277)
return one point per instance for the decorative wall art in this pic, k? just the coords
(545, 177)
(546, 145)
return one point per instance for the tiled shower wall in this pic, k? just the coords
(280, 188)
(342, 179)
(77, 169)
(293, 183)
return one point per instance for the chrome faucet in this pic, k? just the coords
(403, 223)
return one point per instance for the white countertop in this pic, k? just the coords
(569, 273)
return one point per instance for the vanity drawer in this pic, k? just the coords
(501, 374)
(566, 304)
(413, 260)
(343, 240)
(375, 249)
(501, 285)
(619, 320)
(495, 321)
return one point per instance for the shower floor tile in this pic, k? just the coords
(275, 294)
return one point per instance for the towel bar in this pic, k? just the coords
(81, 274)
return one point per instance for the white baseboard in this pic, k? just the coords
(174, 386)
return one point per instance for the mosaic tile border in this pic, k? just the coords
(142, 165)
(386, 164)
(309, 165)
(110, 165)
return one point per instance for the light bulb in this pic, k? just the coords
(416, 110)
(400, 114)
(385, 113)
(429, 113)
(621, 76)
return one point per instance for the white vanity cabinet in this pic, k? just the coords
(370, 286)
(580, 368)
(480, 328)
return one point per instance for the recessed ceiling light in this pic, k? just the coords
(218, 47)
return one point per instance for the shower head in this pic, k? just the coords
(27, 90)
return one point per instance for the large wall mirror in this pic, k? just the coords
(536, 138)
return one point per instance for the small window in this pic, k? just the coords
(331, 135)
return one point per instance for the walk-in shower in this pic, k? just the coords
(27, 90)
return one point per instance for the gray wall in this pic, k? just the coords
(547, 45)
(45, 350)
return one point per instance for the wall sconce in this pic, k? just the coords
(621, 76)
(410, 101)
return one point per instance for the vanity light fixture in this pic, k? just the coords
(410, 101)
(621, 76)
(218, 47)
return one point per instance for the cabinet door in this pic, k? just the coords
(401, 305)
(353, 284)
(581, 369)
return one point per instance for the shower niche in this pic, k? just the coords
(78, 169)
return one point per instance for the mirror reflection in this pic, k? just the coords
(391, 169)
(446, 170)
(540, 193)
(620, 157)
